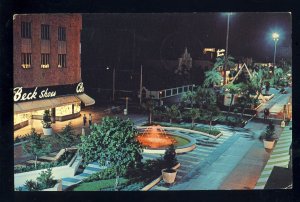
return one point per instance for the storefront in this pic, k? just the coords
(64, 103)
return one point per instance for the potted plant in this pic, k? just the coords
(169, 174)
(47, 129)
(269, 139)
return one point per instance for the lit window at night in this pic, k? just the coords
(45, 60)
(26, 60)
(65, 110)
(19, 118)
(62, 60)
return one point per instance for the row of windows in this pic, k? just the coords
(45, 31)
(45, 60)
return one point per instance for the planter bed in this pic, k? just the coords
(41, 164)
(68, 169)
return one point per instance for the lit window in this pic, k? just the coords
(45, 60)
(19, 118)
(64, 110)
(26, 60)
(62, 60)
(45, 32)
(62, 34)
(26, 29)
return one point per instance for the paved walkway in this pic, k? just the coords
(279, 157)
(89, 170)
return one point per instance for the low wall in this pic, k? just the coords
(57, 172)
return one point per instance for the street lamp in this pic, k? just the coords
(275, 37)
(113, 82)
(226, 50)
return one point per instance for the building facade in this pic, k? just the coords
(47, 70)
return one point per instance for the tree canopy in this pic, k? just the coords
(113, 141)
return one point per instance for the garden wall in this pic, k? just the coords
(57, 172)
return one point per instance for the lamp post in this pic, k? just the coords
(275, 37)
(226, 50)
(113, 82)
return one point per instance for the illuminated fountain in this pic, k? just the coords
(155, 137)
(156, 140)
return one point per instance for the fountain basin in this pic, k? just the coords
(155, 140)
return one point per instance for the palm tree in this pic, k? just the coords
(278, 73)
(212, 78)
(257, 81)
(173, 112)
(220, 63)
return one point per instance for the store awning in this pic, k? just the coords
(87, 100)
(45, 104)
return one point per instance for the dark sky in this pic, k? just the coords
(109, 38)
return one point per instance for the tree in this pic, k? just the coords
(189, 96)
(113, 141)
(246, 91)
(172, 112)
(36, 146)
(66, 138)
(278, 74)
(193, 114)
(212, 78)
(149, 105)
(204, 97)
(232, 89)
(257, 81)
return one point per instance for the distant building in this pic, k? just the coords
(47, 71)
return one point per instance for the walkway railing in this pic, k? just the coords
(175, 91)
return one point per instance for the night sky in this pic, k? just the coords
(109, 38)
(125, 41)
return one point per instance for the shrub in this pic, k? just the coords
(46, 119)
(134, 187)
(170, 159)
(31, 185)
(108, 173)
(270, 131)
(46, 179)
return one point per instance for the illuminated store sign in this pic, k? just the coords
(28, 94)
(220, 52)
(209, 50)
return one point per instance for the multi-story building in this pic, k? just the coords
(47, 70)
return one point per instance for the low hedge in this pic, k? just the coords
(61, 162)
